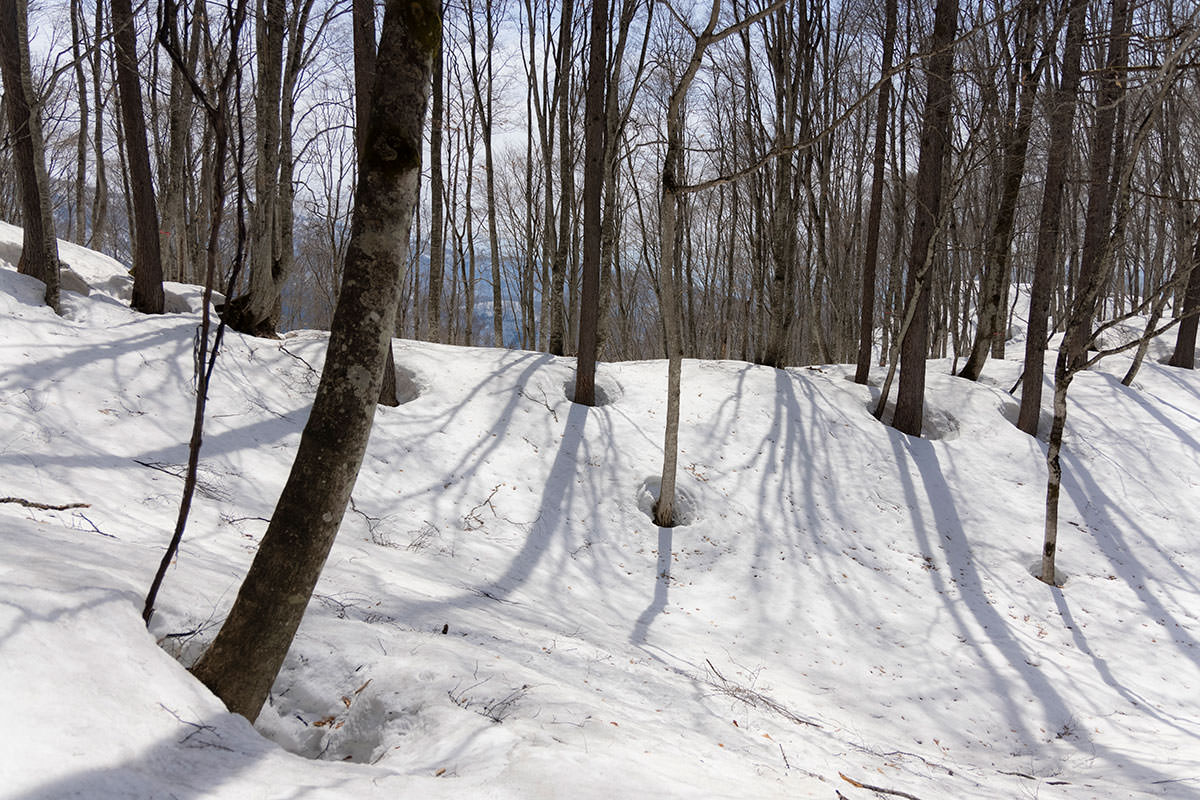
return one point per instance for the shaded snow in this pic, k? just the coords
(500, 617)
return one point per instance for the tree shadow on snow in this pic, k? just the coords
(662, 584)
(951, 535)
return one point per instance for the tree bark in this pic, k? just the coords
(1102, 190)
(593, 186)
(79, 215)
(100, 198)
(566, 196)
(245, 658)
(935, 135)
(875, 209)
(363, 13)
(483, 109)
(1062, 117)
(437, 247)
(39, 252)
(992, 325)
(664, 507)
(1184, 355)
(1062, 381)
(147, 256)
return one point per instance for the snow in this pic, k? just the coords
(500, 618)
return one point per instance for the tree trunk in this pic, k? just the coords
(992, 326)
(79, 215)
(363, 22)
(1102, 190)
(1062, 381)
(254, 312)
(1062, 117)
(664, 507)
(566, 197)
(147, 258)
(245, 658)
(1185, 340)
(875, 210)
(1104, 186)
(437, 247)
(175, 239)
(593, 186)
(100, 198)
(39, 253)
(935, 136)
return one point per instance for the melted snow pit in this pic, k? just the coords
(608, 391)
(687, 509)
(408, 387)
(936, 423)
(1060, 577)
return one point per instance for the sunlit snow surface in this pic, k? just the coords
(500, 617)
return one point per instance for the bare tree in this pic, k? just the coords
(1062, 116)
(147, 258)
(39, 253)
(246, 655)
(593, 186)
(1024, 75)
(672, 188)
(483, 79)
(437, 247)
(935, 134)
(363, 21)
(1184, 354)
(875, 209)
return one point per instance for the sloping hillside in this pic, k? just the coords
(501, 618)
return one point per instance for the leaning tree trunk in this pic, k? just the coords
(147, 255)
(39, 254)
(245, 658)
(935, 135)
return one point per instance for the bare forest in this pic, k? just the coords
(907, 190)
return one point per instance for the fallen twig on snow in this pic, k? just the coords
(471, 520)
(92, 524)
(180, 471)
(21, 501)
(879, 789)
(751, 697)
(545, 401)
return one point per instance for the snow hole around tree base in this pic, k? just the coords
(936, 423)
(687, 505)
(608, 390)
(408, 385)
(1060, 577)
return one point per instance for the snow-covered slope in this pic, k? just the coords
(501, 618)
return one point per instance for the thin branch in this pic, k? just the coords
(880, 789)
(21, 501)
